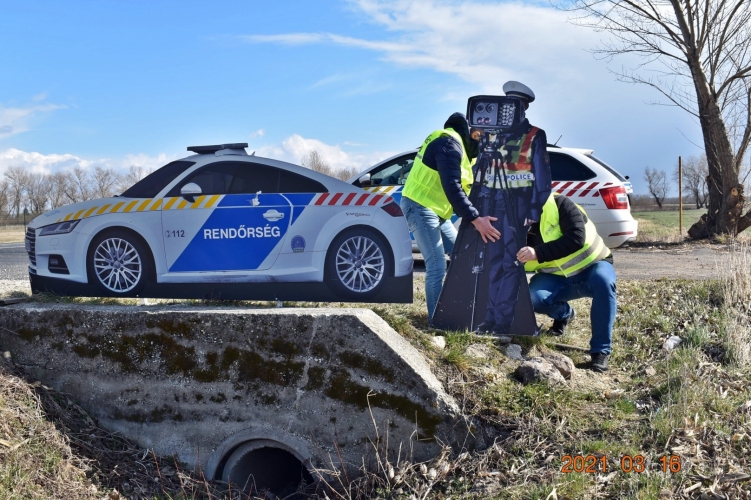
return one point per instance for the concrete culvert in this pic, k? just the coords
(264, 466)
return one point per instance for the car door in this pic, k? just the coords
(238, 222)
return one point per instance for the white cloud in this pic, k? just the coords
(16, 120)
(295, 147)
(258, 133)
(50, 163)
(482, 43)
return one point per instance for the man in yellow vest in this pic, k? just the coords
(571, 261)
(437, 186)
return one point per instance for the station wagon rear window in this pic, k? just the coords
(566, 168)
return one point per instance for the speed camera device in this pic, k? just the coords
(495, 113)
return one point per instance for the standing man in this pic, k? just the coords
(571, 261)
(518, 190)
(437, 186)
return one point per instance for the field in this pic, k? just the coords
(662, 225)
(11, 234)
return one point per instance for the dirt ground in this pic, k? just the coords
(684, 260)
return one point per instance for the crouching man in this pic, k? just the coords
(571, 261)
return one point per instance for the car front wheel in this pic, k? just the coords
(118, 264)
(357, 264)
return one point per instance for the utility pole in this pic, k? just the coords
(680, 196)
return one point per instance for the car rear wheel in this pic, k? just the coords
(118, 264)
(357, 264)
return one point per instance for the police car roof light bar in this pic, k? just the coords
(204, 150)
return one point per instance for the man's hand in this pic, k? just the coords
(526, 254)
(486, 229)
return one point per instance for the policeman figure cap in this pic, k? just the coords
(518, 89)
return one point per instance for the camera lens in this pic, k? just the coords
(490, 108)
(480, 108)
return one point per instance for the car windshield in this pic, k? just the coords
(152, 184)
(607, 167)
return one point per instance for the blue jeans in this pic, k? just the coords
(551, 293)
(435, 238)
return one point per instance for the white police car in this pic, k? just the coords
(576, 173)
(222, 224)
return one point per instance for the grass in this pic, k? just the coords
(12, 234)
(662, 225)
(695, 405)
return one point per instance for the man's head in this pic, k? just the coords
(458, 122)
(517, 89)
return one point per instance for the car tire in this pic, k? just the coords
(118, 263)
(358, 263)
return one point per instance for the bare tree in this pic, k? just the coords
(104, 182)
(695, 173)
(698, 53)
(315, 162)
(657, 182)
(135, 173)
(18, 180)
(4, 197)
(79, 188)
(60, 184)
(37, 192)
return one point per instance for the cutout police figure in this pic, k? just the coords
(519, 183)
(511, 184)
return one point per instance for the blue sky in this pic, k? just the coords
(120, 83)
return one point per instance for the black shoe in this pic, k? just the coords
(559, 325)
(599, 362)
(485, 327)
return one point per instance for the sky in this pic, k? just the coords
(113, 83)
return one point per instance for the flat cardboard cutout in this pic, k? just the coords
(488, 273)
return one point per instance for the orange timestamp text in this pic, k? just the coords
(637, 463)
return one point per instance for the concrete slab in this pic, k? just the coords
(200, 382)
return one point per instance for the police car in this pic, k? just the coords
(576, 173)
(223, 224)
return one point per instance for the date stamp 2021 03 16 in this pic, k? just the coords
(628, 463)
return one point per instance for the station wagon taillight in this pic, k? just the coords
(393, 209)
(615, 197)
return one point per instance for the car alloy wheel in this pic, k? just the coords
(117, 265)
(360, 264)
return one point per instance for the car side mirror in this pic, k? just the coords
(190, 191)
(364, 180)
(627, 177)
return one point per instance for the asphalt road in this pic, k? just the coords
(14, 261)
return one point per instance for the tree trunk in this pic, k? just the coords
(725, 197)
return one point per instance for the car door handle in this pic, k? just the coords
(273, 215)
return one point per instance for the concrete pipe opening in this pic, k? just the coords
(266, 466)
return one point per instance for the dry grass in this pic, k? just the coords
(36, 460)
(11, 234)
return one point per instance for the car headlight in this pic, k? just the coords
(59, 228)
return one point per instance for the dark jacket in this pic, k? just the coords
(445, 155)
(572, 223)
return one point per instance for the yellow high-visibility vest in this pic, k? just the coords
(424, 184)
(594, 248)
